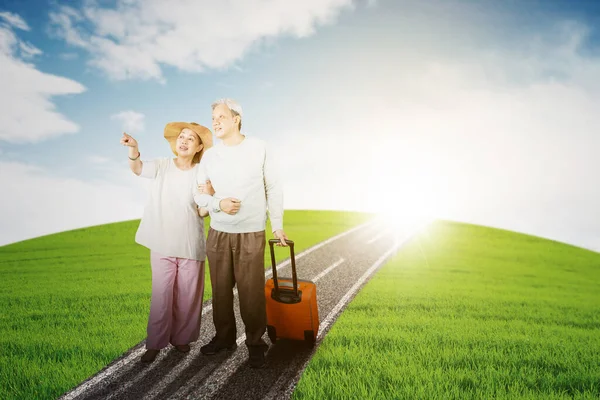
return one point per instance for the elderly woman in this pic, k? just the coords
(173, 229)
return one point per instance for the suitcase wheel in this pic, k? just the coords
(272, 333)
(309, 336)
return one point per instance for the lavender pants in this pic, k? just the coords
(176, 305)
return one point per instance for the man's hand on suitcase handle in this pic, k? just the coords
(280, 234)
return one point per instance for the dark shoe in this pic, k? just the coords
(149, 355)
(257, 356)
(213, 347)
(183, 348)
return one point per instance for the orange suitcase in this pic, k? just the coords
(292, 311)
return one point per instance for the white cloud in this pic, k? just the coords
(26, 112)
(65, 22)
(28, 50)
(14, 20)
(132, 122)
(136, 38)
(40, 203)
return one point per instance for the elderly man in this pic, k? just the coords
(242, 173)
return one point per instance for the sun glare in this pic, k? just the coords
(407, 219)
(403, 193)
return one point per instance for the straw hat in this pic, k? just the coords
(173, 129)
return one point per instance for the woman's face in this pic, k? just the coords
(188, 143)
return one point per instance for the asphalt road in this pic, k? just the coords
(340, 266)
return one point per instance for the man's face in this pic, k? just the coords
(223, 121)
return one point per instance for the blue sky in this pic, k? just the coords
(481, 112)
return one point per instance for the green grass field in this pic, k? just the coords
(74, 301)
(467, 312)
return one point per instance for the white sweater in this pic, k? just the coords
(246, 172)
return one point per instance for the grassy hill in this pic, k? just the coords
(74, 301)
(468, 312)
(461, 312)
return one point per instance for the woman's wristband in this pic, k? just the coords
(138, 156)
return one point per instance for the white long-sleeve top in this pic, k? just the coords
(244, 171)
(170, 224)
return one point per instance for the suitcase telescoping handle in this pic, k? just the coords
(290, 243)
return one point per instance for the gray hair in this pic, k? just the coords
(233, 105)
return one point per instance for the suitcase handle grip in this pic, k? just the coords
(275, 241)
(292, 259)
